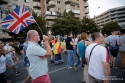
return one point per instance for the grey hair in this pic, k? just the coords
(95, 35)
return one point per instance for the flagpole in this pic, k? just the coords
(39, 28)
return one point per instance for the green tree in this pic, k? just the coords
(108, 27)
(89, 25)
(65, 23)
(41, 22)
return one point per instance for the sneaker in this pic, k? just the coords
(75, 68)
(5, 76)
(51, 61)
(69, 67)
(17, 73)
(114, 67)
(123, 69)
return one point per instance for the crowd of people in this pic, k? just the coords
(97, 54)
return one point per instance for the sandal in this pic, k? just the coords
(114, 67)
(8, 81)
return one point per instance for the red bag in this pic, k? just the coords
(59, 49)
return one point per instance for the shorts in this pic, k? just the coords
(114, 53)
(42, 79)
(9, 61)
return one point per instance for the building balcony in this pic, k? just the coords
(86, 4)
(72, 1)
(37, 11)
(87, 16)
(49, 13)
(74, 8)
(3, 2)
(77, 16)
(49, 24)
(68, 6)
(36, 5)
(36, 0)
(50, 17)
(75, 11)
(51, 4)
(87, 11)
(52, 9)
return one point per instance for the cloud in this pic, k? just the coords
(118, 4)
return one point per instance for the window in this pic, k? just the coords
(26, 0)
(58, 2)
(59, 9)
(15, 6)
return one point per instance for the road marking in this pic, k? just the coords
(48, 72)
(56, 70)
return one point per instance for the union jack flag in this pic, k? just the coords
(18, 19)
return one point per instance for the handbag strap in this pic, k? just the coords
(91, 51)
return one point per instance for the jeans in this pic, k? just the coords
(79, 63)
(70, 57)
(74, 50)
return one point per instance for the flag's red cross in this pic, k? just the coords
(19, 20)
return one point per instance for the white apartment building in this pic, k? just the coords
(115, 14)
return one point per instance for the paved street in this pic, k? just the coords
(59, 73)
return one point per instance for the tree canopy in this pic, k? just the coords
(108, 27)
(65, 23)
(89, 25)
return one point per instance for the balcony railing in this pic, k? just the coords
(52, 9)
(68, 6)
(51, 4)
(75, 11)
(86, 4)
(36, 0)
(36, 5)
(72, 1)
(87, 11)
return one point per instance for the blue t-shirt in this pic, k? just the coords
(26, 61)
(81, 48)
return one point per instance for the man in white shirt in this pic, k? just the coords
(37, 56)
(99, 68)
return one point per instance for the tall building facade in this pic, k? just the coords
(79, 7)
(47, 8)
(115, 14)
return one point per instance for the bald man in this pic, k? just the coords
(37, 57)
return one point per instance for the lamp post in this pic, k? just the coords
(95, 14)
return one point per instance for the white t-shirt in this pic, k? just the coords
(75, 41)
(38, 66)
(7, 47)
(2, 64)
(99, 55)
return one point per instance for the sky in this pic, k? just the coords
(104, 6)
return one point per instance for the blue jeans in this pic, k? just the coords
(79, 63)
(70, 57)
(74, 50)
